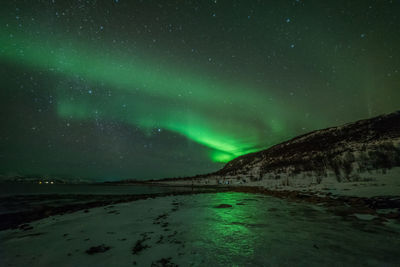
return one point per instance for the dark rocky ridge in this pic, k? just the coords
(345, 150)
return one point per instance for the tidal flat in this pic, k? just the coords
(214, 229)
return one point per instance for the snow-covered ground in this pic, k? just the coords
(190, 230)
(368, 184)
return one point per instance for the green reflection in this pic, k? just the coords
(231, 226)
(228, 232)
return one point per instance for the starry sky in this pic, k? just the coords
(118, 89)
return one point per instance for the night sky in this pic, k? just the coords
(110, 90)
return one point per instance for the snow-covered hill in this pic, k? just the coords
(353, 154)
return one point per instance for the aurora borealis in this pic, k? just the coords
(151, 89)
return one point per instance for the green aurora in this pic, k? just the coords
(227, 139)
(151, 89)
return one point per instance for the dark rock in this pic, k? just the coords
(160, 240)
(98, 249)
(164, 262)
(173, 234)
(113, 212)
(139, 246)
(162, 216)
(25, 227)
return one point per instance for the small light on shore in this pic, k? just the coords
(40, 182)
(52, 182)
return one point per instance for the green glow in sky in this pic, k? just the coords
(229, 119)
(111, 89)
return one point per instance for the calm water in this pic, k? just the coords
(16, 197)
(8, 189)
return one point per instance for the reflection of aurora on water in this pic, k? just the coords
(269, 231)
(232, 232)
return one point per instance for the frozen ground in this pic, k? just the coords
(191, 230)
(368, 184)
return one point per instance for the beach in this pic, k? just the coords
(218, 229)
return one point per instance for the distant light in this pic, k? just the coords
(40, 182)
(46, 182)
(52, 182)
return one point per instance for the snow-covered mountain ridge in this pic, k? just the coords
(365, 145)
(354, 155)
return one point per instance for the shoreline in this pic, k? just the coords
(204, 229)
(17, 219)
(343, 206)
(379, 208)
